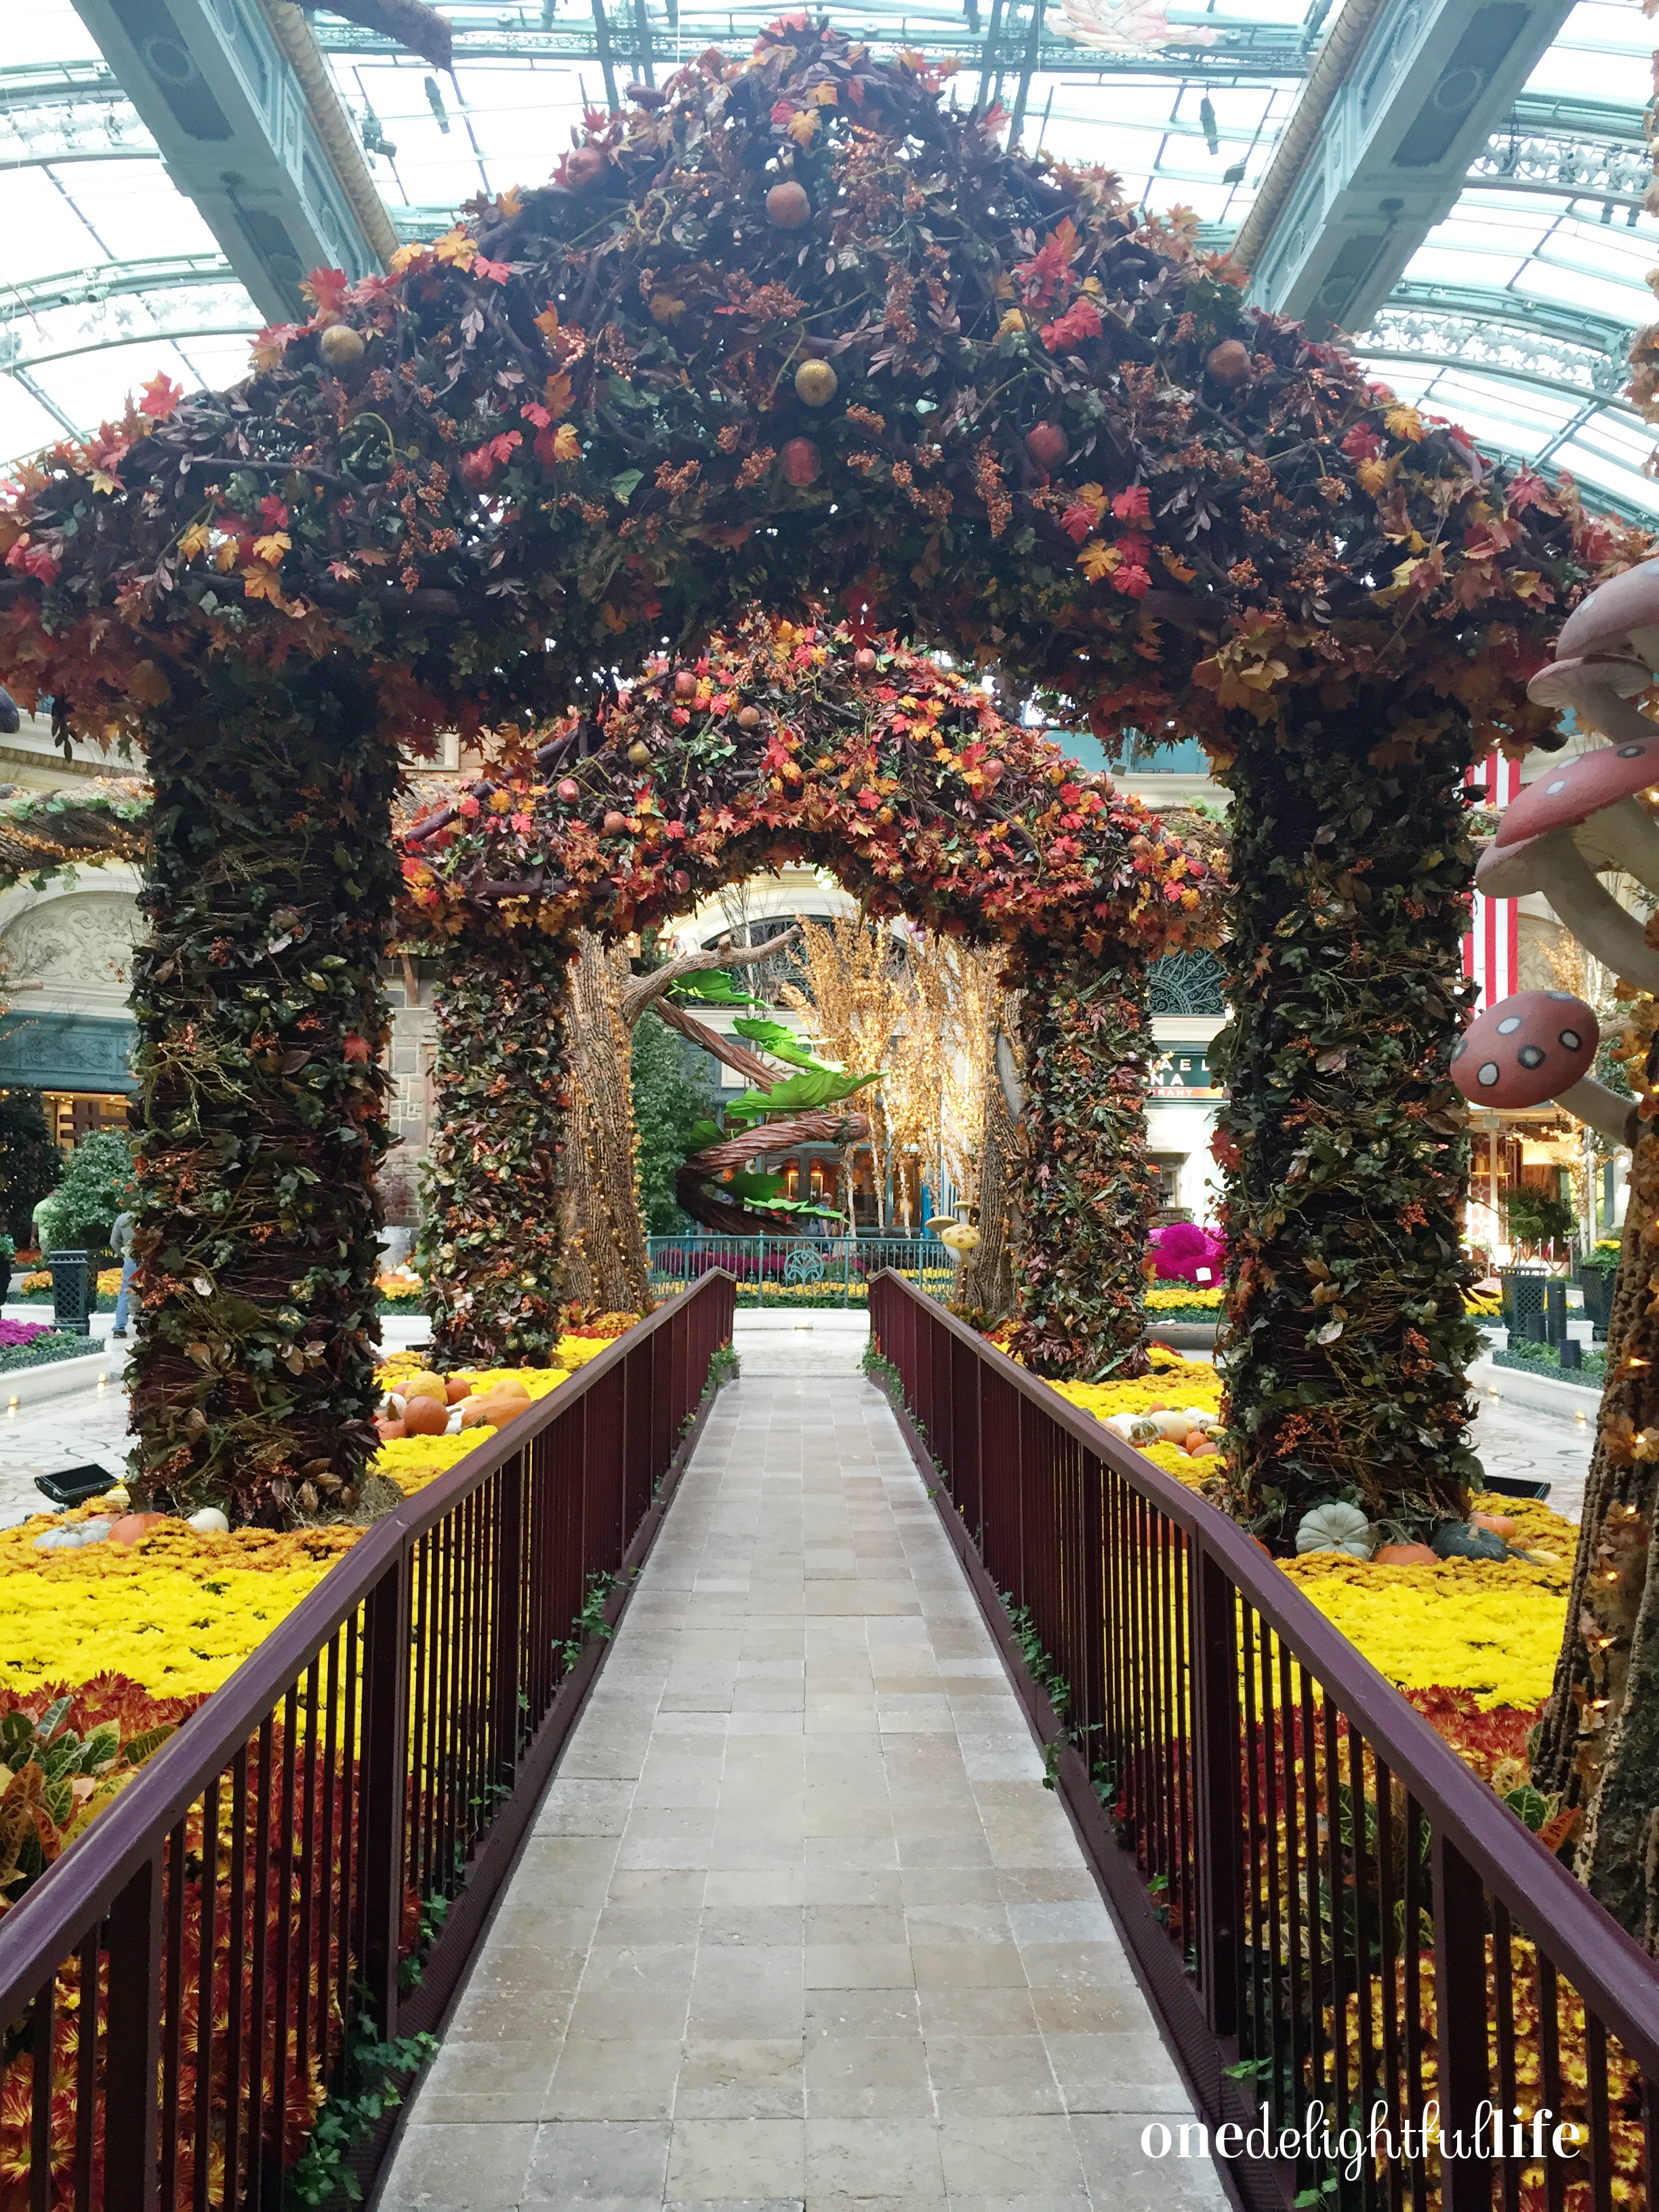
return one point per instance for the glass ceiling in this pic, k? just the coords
(1512, 318)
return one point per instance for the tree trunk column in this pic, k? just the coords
(492, 1244)
(605, 1254)
(1342, 1137)
(986, 1283)
(1085, 1191)
(268, 899)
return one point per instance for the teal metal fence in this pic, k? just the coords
(801, 1271)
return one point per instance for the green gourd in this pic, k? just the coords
(1458, 1540)
(1335, 1526)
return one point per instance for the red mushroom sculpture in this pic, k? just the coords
(1535, 1046)
(1596, 792)
(1552, 863)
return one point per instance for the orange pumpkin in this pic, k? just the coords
(426, 1417)
(500, 1411)
(1499, 1524)
(131, 1527)
(389, 1432)
(1403, 1555)
(456, 1388)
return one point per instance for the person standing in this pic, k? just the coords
(120, 1242)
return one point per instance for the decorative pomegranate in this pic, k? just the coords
(685, 684)
(1047, 445)
(680, 880)
(568, 789)
(802, 463)
(788, 207)
(615, 824)
(640, 753)
(816, 383)
(864, 660)
(1229, 364)
(339, 346)
(583, 167)
(748, 718)
(991, 771)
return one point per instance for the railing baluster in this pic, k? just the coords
(1221, 1810)
(1460, 1994)
(132, 2042)
(381, 1873)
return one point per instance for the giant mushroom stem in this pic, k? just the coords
(1540, 1046)
(1551, 864)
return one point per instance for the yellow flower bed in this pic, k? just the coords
(180, 1612)
(413, 1462)
(109, 1281)
(1163, 1296)
(1492, 1628)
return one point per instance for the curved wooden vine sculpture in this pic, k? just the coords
(796, 325)
(791, 742)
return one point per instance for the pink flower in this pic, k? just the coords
(469, 806)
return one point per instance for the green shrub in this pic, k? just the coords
(97, 1183)
(30, 1163)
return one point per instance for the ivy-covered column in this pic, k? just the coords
(491, 1247)
(268, 899)
(1086, 1192)
(1342, 1138)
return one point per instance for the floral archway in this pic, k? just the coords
(792, 325)
(791, 742)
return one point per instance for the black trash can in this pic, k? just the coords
(72, 1292)
(1555, 1312)
(1522, 1292)
(1597, 1284)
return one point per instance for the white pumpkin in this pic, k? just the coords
(209, 1522)
(1335, 1526)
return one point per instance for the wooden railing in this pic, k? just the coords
(301, 1877)
(1339, 1925)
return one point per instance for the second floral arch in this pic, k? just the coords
(787, 741)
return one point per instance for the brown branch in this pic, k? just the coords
(645, 990)
(820, 1127)
(748, 1065)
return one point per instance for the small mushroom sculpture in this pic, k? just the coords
(1535, 1046)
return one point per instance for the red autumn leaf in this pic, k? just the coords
(161, 397)
(495, 272)
(1133, 505)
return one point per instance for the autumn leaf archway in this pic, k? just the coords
(792, 326)
(790, 742)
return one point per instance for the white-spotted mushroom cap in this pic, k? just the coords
(1572, 791)
(1525, 1049)
(1621, 615)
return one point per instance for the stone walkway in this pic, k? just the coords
(798, 1925)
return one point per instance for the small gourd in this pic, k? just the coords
(1335, 1526)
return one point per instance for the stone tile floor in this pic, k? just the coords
(798, 1925)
